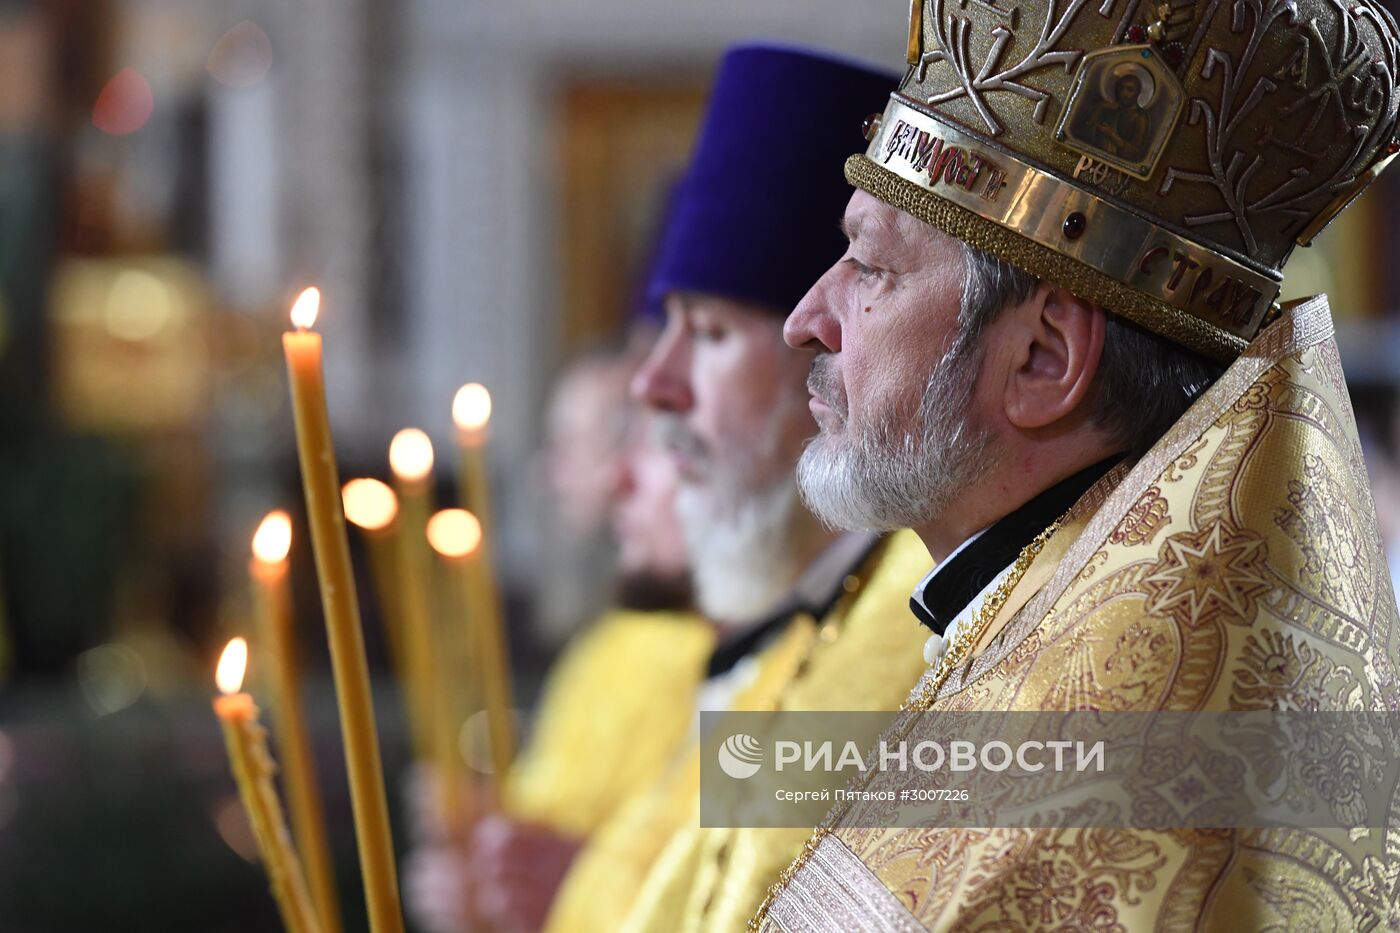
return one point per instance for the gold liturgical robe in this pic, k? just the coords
(585, 760)
(1236, 566)
(652, 867)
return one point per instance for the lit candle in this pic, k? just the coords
(453, 542)
(411, 462)
(268, 568)
(458, 537)
(372, 507)
(321, 482)
(471, 413)
(253, 769)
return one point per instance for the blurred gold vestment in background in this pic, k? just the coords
(865, 655)
(582, 761)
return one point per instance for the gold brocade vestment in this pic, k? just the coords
(1236, 566)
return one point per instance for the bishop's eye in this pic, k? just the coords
(861, 268)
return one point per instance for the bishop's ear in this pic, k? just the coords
(1056, 343)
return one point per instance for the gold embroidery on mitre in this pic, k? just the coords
(1155, 314)
(1263, 119)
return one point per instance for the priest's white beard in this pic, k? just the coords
(739, 528)
(892, 477)
(742, 558)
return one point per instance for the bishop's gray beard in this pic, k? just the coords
(893, 478)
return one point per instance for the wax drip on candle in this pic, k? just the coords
(253, 769)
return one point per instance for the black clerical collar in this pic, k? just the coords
(966, 572)
(815, 593)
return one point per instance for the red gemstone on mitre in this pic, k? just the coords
(1137, 34)
(1174, 53)
(1075, 225)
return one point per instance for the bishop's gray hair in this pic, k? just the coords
(1144, 383)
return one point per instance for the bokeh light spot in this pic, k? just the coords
(411, 454)
(471, 407)
(125, 104)
(111, 678)
(139, 306)
(273, 539)
(231, 822)
(369, 504)
(242, 57)
(454, 532)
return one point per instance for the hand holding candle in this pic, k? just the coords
(253, 769)
(321, 482)
(269, 570)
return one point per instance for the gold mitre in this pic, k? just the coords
(1162, 159)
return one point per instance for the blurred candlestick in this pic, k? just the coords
(471, 413)
(447, 539)
(459, 538)
(269, 570)
(321, 482)
(373, 507)
(411, 462)
(253, 769)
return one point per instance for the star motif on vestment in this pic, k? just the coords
(1201, 573)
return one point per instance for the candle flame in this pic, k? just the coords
(411, 454)
(471, 407)
(232, 663)
(307, 306)
(454, 532)
(273, 539)
(369, 504)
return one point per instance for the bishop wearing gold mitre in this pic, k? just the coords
(1053, 349)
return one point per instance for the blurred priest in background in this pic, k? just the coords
(616, 707)
(806, 619)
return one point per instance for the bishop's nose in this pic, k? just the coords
(811, 325)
